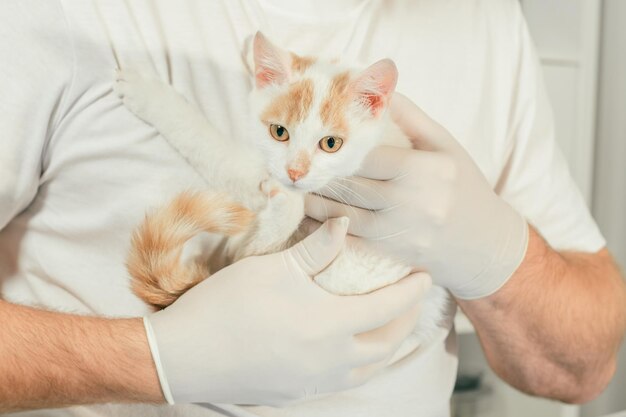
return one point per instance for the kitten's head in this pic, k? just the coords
(315, 120)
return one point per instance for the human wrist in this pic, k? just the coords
(509, 248)
(158, 365)
(50, 359)
(537, 258)
(112, 362)
(135, 379)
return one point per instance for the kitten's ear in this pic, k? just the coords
(375, 85)
(271, 64)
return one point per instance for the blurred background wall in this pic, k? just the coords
(609, 190)
(609, 182)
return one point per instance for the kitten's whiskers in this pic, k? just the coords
(360, 200)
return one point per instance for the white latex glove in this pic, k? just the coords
(262, 332)
(431, 207)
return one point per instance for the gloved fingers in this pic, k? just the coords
(381, 343)
(360, 192)
(367, 312)
(401, 166)
(309, 225)
(379, 346)
(422, 130)
(396, 165)
(363, 223)
(319, 249)
(359, 376)
(384, 163)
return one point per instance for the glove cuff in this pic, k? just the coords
(154, 349)
(510, 254)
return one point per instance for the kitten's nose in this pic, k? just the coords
(295, 174)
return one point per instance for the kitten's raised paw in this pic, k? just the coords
(141, 95)
(124, 79)
(272, 189)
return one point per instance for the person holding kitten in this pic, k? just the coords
(484, 207)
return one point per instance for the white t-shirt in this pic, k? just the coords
(78, 171)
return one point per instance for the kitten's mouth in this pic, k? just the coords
(294, 187)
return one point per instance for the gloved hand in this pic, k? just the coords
(262, 332)
(430, 207)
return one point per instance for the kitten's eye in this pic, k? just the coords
(279, 133)
(330, 144)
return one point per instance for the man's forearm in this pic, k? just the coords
(554, 329)
(51, 359)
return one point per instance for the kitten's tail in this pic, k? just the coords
(159, 278)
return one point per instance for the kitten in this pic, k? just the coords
(313, 121)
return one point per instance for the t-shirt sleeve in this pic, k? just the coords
(536, 180)
(35, 73)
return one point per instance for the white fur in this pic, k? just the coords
(279, 201)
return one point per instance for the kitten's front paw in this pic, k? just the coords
(123, 79)
(139, 94)
(272, 189)
(283, 206)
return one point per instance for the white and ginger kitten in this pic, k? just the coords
(312, 122)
